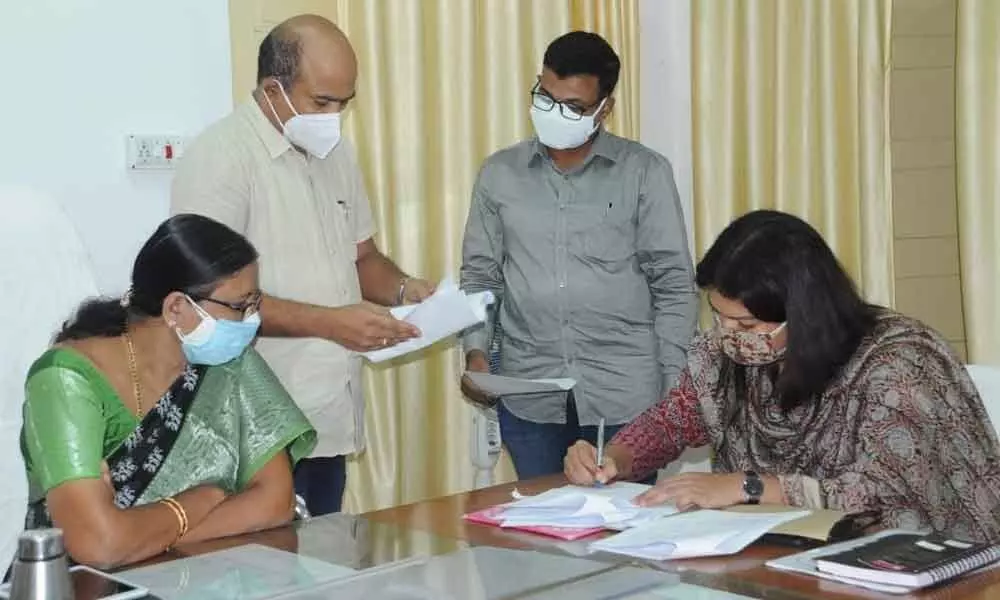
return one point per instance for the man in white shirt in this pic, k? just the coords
(277, 170)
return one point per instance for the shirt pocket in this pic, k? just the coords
(607, 233)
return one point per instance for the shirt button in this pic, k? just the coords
(562, 284)
(562, 206)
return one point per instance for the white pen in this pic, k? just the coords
(600, 444)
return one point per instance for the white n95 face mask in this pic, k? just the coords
(559, 133)
(316, 133)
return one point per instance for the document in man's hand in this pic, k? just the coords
(499, 385)
(446, 312)
(696, 533)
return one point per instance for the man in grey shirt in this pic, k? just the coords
(580, 235)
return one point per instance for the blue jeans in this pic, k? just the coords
(321, 482)
(538, 449)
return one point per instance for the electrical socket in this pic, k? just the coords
(153, 152)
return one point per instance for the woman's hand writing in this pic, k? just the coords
(581, 468)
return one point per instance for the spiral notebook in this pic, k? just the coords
(911, 560)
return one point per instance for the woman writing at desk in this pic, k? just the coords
(151, 421)
(811, 397)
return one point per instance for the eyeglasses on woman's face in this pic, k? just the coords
(245, 307)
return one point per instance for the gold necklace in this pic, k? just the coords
(134, 372)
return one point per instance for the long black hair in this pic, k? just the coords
(780, 268)
(186, 253)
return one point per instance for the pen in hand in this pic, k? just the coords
(600, 449)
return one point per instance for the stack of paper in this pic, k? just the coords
(493, 516)
(446, 312)
(582, 507)
(697, 533)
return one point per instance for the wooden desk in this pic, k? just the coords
(744, 573)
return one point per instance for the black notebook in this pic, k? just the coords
(910, 560)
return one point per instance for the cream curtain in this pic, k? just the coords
(790, 104)
(977, 149)
(442, 85)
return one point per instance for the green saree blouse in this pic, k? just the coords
(239, 419)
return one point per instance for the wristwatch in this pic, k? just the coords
(753, 488)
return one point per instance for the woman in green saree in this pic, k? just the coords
(151, 422)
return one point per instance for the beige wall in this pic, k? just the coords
(923, 161)
(250, 21)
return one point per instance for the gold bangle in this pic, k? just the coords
(180, 524)
(180, 513)
(184, 515)
(177, 515)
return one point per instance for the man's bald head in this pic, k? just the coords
(303, 39)
(305, 66)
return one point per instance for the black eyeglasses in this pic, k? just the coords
(245, 308)
(541, 100)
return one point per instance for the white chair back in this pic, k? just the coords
(987, 380)
(44, 275)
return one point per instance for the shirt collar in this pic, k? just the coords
(605, 145)
(273, 140)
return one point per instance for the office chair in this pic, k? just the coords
(46, 273)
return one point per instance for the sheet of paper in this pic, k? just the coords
(499, 385)
(696, 533)
(446, 312)
(816, 525)
(245, 572)
(576, 506)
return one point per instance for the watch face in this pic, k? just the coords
(753, 486)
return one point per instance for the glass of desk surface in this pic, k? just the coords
(487, 573)
(347, 556)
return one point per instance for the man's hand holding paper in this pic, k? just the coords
(444, 313)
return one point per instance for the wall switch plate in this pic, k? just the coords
(153, 152)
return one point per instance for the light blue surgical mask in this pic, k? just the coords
(217, 341)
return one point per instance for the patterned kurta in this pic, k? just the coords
(901, 429)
